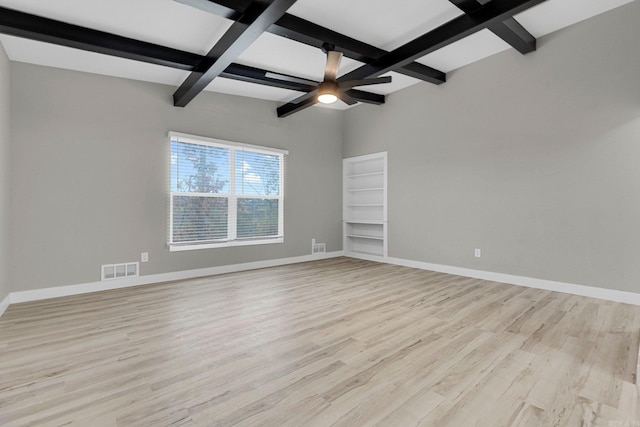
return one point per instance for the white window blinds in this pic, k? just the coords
(224, 193)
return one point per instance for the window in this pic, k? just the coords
(224, 193)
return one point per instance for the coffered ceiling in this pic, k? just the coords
(189, 26)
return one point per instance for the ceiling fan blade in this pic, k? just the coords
(288, 78)
(366, 97)
(333, 64)
(346, 98)
(364, 82)
(306, 96)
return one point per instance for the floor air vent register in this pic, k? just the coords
(119, 271)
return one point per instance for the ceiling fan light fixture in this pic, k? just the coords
(327, 92)
(327, 98)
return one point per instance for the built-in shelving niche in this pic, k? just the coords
(365, 205)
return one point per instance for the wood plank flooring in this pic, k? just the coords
(338, 342)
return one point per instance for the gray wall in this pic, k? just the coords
(4, 174)
(534, 159)
(90, 174)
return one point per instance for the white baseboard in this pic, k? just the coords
(366, 257)
(530, 282)
(5, 304)
(63, 291)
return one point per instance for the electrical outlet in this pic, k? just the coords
(144, 257)
(478, 253)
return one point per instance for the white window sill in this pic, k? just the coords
(179, 248)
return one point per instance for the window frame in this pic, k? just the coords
(232, 198)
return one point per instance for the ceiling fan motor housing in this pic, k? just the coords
(328, 92)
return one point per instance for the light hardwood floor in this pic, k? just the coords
(338, 342)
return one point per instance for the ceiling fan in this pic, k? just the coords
(330, 90)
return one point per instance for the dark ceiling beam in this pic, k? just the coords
(230, 9)
(46, 30)
(311, 34)
(508, 30)
(516, 35)
(493, 12)
(20, 24)
(307, 32)
(259, 16)
(245, 73)
(454, 30)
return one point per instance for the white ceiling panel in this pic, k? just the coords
(32, 52)
(399, 81)
(465, 51)
(283, 55)
(552, 15)
(251, 90)
(163, 22)
(380, 23)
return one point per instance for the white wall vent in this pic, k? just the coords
(120, 271)
(317, 248)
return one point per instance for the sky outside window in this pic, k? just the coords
(199, 168)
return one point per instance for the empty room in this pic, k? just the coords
(319, 213)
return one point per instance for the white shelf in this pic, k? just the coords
(358, 175)
(359, 236)
(365, 189)
(365, 205)
(364, 221)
